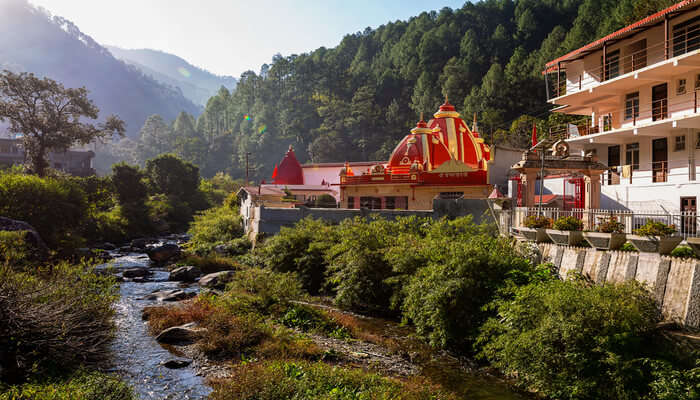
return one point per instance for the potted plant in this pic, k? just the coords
(608, 235)
(535, 228)
(655, 236)
(566, 231)
(694, 243)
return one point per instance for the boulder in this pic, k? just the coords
(179, 334)
(176, 364)
(164, 253)
(32, 236)
(170, 295)
(187, 273)
(107, 246)
(217, 280)
(139, 244)
(135, 272)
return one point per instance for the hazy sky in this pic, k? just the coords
(230, 37)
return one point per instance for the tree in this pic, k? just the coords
(156, 137)
(173, 177)
(128, 183)
(49, 116)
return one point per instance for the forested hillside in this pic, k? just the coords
(355, 101)
(31, 40)
(196, 84)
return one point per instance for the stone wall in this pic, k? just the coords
(674, 281)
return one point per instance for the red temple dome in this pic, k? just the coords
(421, 149)
(462, 144)
(289, 171)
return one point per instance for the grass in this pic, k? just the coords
(316, 381)
(163, 317)
(210, 263)
(82, 385)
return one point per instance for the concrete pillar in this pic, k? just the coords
(592, 191)
(529, 182)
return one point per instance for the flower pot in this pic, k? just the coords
(694, 244)
(655, 244)
(565, 238)
(537, 235)
(605, 241)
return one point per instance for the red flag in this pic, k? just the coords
(534, 135)
(274, 173)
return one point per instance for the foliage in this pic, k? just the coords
(324, 201)
(49, 116)
(219, 188)
(128, 181)
(317, 381)
(655, 228)
(83, 385)
(14, 249)
(670, 383)
(66, 302)
(172, 176)
(38, 201)
(568, 340)
(308, 319)
(611, 225)
(301, 249)
(568, 224)
(683, 252)
(628, 247)
(269, 288)
(537, 221)
(216, 226)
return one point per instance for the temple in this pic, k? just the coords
(442, 158)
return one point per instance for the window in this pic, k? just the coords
(607, 122)
(451, 195)
(632, 106)
(697, 82)
(680, 143)
(680, 88)
(373, 203)
(612, 65)
(351, 202)
(636, 56)
(401, 202)
(632, 155)
(390, 202)
(686, 36)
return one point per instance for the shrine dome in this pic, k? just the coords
(289, 171)
(420, 150)
(462, 143)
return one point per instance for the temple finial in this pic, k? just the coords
(421, 115)
(446, 98)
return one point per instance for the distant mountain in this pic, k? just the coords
(32, 40)
(196, 84)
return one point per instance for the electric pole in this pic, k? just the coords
(246, 167)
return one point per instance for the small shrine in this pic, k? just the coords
(441, 158)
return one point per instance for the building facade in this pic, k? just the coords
(637, 93)
(74, 162)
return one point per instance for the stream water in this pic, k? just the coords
(138, 357)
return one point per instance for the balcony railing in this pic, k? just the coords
(616, 66)
(687, 224)
(677, 171)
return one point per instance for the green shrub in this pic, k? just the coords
(175, 177)
(537, 221)
(128, 182)
(655, 228)
(628, 247)
(308, 319)
(611, 225)
(168, 213)
(568, 340)
(56, 208)
(317, 381)
(683, 252)
(65, 302)
(268, 287)
(14, 249)
(568, 224)
(301, 249)
(83, 385)
(215, 226)
(670, 383)
(218, 188)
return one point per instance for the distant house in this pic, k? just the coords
(74, 162)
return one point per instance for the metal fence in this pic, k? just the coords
(687, 224)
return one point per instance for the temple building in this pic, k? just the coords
(441, 158)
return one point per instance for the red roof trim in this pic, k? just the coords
(551, 66)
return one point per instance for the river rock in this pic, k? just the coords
(164, 253)
(217, 280)
(176, 364)
(135, 272)
(107, 246)
(187, 273)
(170, 295)
(139, 244)
(179, 334)
(32, 237)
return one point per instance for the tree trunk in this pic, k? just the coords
(39, 163)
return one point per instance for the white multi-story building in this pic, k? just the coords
(637, 92)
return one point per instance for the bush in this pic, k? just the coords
(537, 221)
(217, 189)
(683, 252)
(128, 182)
(14, 249)
(655, 228)
(317, 381)
(628, 247)
(65, 302)
(174, 177)
(567, 340)
(83, 385)
(56, 208)
(670, 383)
(213, 227)
(301, 250)
(269, 287)
(568, 224)
(611, 225)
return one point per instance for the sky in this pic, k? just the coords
(230, 37)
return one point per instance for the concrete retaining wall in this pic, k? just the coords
(675, 282)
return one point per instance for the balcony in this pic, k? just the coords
(656, 61)
(671, 171)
